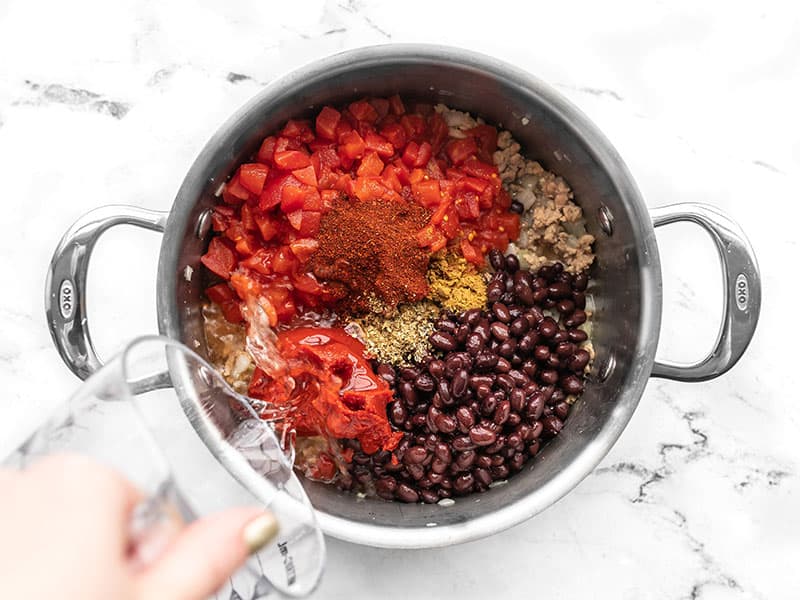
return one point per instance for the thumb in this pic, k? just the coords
(209, 551)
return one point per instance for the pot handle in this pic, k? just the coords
(741, 285)
(65, 290)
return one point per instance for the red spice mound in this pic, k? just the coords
(337, 395)
(370, 248)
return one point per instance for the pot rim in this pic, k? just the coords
(597, 144)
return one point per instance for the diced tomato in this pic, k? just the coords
(260, 261)
(363, 111)
(267, 226)
(309, 224)
(273, 190)
(471, 253)
(460, 150)
(396, 105)
(220, 293)
(369, 188)
(381, 106)
(304, 248)
(427, 193)
(291, 159)
(379, 144)
(390, 180)
(252, 177)
(371, 165)
(486, 138)
(306, 175)
(307, 283)
(300, 130)
(300, 197)
(439, 131)
(328, 197)
(284, 261)
(476, 168)
(416, 175)
(450, 225)
(267, 149)
(417, 155)
(221, 217)
(395, 134)
(220, 258)
(351, 145)
(467, 206)
(414, 126)
(327, 120)
(235, 192)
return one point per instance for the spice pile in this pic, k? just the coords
(350, 288)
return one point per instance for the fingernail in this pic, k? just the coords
(259, 532)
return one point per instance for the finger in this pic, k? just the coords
(202, 558)
(87, 484)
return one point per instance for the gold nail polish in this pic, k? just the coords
(258, 532)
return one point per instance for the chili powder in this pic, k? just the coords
(369, 249)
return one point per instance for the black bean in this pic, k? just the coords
(517, 461)
(578, 361)
(474, 343)
(565, 306)
(502, 412)
(436, 368)
(529, 368)
(408, 393)
(482, 476)
(579, 282)
(398, 412)
(442, 341)
(561, 410)
(481, 436)
(528, 341)
(500, 311)
(463, 442)
(409, 373)
(424, 383)
(572, 385)
(534, 406)
(486, 360)
(496, 259)
(429, 496)
(465, 417)
(565, 349)
(499, 330)
(519, 327)
(459, 383)
(415, 455)
(483, 391)
(519, 378)
(553, 361)
(494, 291)
(547, 327)
(446, 423)
(560, 336)
(461, 333)
(512, 263)
(507, 348)
(439, 466)
(475, 381)
(502, 366)
(517, 400)
(552, 425)
(577, 335)
(559, 290)
(443, 390)
(465, 459)
(541, 353)
(548, 376)
(575, 319)
(516, 207)
(463, 483)
(406, 494)
(505, 382)
(482, 329)
(446, 325)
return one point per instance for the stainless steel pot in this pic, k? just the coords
(626, 288)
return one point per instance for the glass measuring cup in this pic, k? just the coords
(162, 416)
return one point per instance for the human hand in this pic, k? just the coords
(65, 534)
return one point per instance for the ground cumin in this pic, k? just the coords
(369, 249)
(455, 284)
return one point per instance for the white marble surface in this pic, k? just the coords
(109, 102)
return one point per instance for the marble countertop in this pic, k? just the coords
(109, 102)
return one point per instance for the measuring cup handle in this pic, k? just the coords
(65, 296)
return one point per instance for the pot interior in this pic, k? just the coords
(625, 278)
